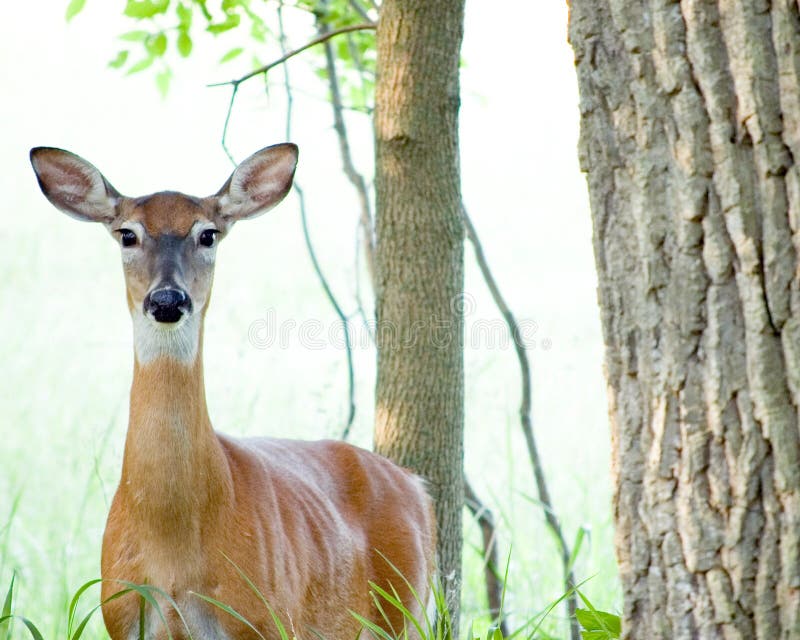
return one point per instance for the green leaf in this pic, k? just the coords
(163, 79)
(157, 45)
(231, 22)
(141, 65)
(599, 621)
(236, 51)
(120, 60)
(204, 9)
(145, 8)
(258, 31)
(135, 36)
(74, 8)
(184, 16)
(184, 44)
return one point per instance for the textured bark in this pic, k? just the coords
(419, 258)
(689, 117)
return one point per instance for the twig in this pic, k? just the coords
(287, 85)
(318, 40)
(494, 587)
(362, 73)
(360, 10)
(359, 302)
(351, 414)
(526, 422)
(348, 166)
(225, 126)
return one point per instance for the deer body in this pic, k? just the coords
(309, 523)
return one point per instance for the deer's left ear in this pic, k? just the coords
(258, 183)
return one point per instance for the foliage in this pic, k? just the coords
(595, 624)
(169, 29)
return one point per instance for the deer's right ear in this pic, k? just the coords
(73, 185)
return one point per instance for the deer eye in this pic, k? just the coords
(207, 237)
(127, 237)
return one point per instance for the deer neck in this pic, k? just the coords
(174, 473)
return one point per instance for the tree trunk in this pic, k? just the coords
(419, 258)
(690, 123)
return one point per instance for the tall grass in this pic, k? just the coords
(595, 624)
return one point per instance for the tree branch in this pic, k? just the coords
(351, 414)
(287, 85)
(359, 302)
(527, 424)
(494, 586)
(225, 126)
(318, 40)
(354, 4)
(310, 247)
(350, 171)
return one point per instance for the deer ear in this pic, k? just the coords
(73, 185)
(258, 183)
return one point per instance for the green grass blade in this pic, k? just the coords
(383, 614)
(247, 579)
(146, 592)
(31, 627)
(74, 603)
(394, 600)
(82, 626)
(5, 625)
(5, 530)
(380, 632)
(576, 547)
(142, 618)
(9, 597)
(275, 619)
(406, 613)
(229, 610)
(499, 617)
(552, 606)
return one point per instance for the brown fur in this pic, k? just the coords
(310, 523)
(306, 521)
(166, 212)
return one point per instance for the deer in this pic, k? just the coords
(305, 527)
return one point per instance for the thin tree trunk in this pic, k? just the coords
(419, 258)
(690, 125)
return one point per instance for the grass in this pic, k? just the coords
(595, 624)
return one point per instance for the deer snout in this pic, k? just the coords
(167, 304)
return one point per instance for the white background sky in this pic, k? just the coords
(62, 306)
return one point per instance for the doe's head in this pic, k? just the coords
(168, 240)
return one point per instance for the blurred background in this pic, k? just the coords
(66, 355)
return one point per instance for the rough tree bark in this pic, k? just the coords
(419, 258)
(690, 118)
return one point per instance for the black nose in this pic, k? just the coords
(167, 305)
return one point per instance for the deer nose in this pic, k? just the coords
(167, 304)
